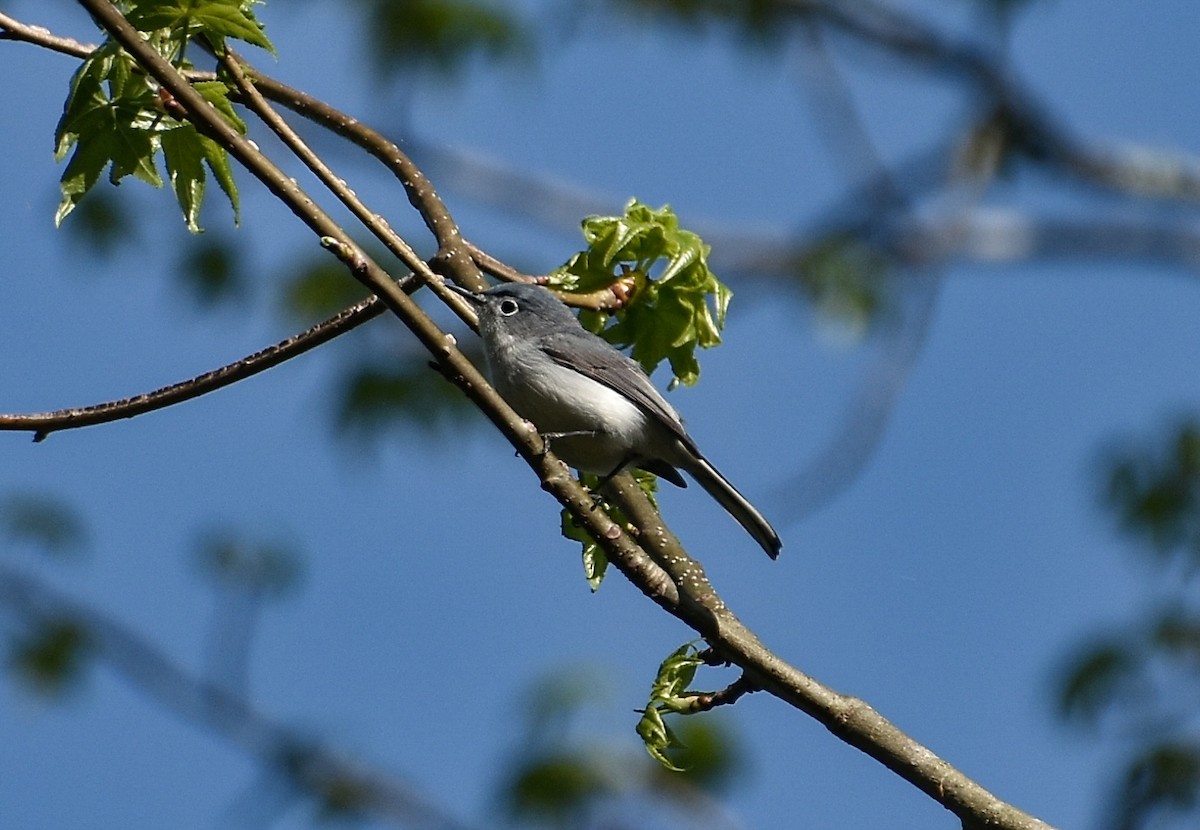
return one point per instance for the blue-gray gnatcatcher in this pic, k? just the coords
(596, 408)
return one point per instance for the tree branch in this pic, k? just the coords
(44, 423)
(15, 30)
(1031, 127)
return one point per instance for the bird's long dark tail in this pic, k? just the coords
(747, 515)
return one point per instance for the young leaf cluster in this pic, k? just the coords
(669, 694)
(677, 303)
(116, 118)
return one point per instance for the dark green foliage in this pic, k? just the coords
(557, 789)
(264, 567)
(397, 393)
(51, 655)
(319, 288)
(308, 771)
(705, 754)
(211, 272)
(845, 279)
(1100, 675)
(1144, 680)
(1155, 495)
(43, 522)
(1163, 782)
(760, 23)
(563, 776)
(103, 223)
(441, 34)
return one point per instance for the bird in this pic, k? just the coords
(596, 408)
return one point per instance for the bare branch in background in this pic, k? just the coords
(288, 755)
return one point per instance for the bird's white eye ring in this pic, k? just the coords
(509, 307)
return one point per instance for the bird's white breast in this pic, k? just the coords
(560, 400)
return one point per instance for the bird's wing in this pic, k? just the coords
(597, 359)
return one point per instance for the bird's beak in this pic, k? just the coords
(470, 296)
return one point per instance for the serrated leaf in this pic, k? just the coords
(107, 128)
(84, 95)
(184, 157)
(82, 173)
(683, 260)
(217, 94)
(217, 159)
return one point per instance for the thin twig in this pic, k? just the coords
(336, 185)
(1032, 128)
(15, 30)
(731, 694)
(44, 423)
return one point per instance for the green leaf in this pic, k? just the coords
(82, 173)
(1155, 493)
(705, 752)
(399, 393)
(113, 119)
(1164, 779)
(595, 563)
(658, 738)
(669, 694)
(1097, 679)
(217, 159)
(110, 119)
(184, 156)
(217, 94)
(317, 287)
(443, 35)
(677, 304)
(211, 271)
(213, 19)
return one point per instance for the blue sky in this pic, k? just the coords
(942, 586)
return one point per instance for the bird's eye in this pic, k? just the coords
(508, 307)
